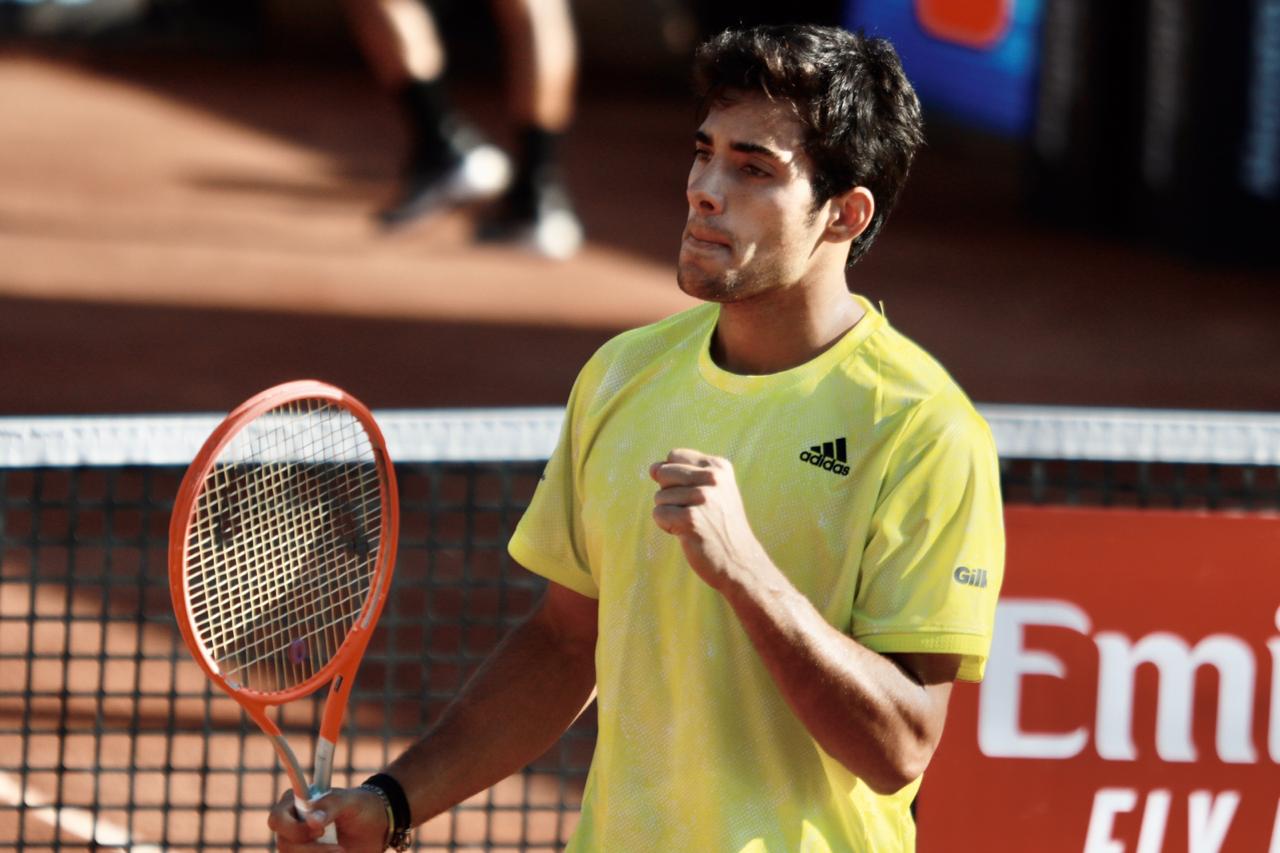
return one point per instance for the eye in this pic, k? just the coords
(755, 171)
(701, 154)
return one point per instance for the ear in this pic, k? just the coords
(849, 214)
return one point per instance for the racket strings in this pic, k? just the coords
(285, 544)
(267, 638)
(279, 479)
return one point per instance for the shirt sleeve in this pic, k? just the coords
(549, 539)
(934, 559)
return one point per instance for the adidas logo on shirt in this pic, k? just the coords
(829, 456)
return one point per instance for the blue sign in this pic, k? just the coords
(992, 85)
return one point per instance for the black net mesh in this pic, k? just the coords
(1074, 482)
(111, 737)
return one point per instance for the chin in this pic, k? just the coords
(708, 287)
(724, 286)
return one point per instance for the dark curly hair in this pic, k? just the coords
(861, 117)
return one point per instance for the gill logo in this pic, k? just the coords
(970, 577)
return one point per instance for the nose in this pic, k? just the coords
(703, 193)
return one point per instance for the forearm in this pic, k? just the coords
(859, 706)
(511, 711)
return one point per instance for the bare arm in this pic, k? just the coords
(880, 717)
(524, 696)
(515, 707)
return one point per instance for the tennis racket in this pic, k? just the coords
(281, 549)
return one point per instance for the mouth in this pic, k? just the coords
(706, 240)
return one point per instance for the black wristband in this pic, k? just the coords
(395, 796)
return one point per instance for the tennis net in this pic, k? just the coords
(111, 737)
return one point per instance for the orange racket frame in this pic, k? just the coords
(341, 669)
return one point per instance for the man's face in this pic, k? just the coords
(751, 226)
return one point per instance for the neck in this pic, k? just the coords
(784, 327)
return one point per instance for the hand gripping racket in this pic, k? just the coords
(281, 549)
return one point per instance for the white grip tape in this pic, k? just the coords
(303, 808)
(323, 770)
(323, 773)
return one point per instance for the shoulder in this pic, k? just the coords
(639, 353)
(947, 417)
(917, 400)
(646, 342)
(906, 373)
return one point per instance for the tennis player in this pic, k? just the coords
(772, 526)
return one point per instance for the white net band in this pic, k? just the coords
(529, 434)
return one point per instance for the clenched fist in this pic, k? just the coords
(698, 502)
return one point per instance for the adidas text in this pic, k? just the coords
(829, 456)
(971, 577)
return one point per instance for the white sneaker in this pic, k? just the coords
(545, 224)
(481, 173)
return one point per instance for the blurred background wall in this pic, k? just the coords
(1155, 120)
(1093, 221)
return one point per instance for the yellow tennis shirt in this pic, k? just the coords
(870, 481)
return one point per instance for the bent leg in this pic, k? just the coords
(448, 162)
(542, 69)
(399, 40)
(543, 60)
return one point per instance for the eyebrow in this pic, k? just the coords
(743, 147)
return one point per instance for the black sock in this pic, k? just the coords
(430, 118)
(537, 164)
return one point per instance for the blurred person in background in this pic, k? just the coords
(449, 162)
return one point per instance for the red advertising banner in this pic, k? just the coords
(1132, 698)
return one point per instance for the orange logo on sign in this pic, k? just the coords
(971, 23)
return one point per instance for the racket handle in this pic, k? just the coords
(330, 835)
